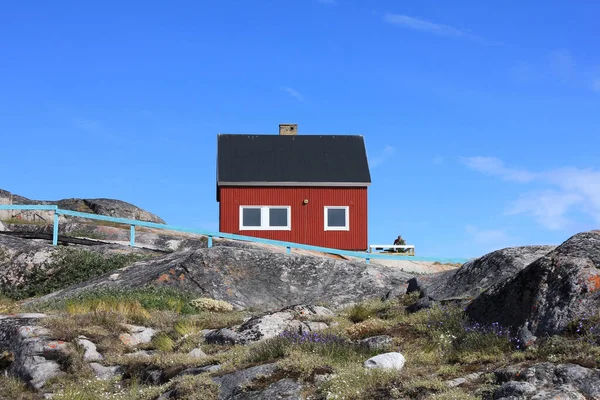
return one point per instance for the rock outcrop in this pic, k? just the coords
(253, 278)
(289, 319)
(108, 207)
(548, 294)
(23, 259)
(547, 381)
(34, 354)
(477, 275)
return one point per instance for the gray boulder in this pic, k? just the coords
(273, 324)
(221, 336)
(287, 389)
(255, 278)
(35, 354)
(106, 373)
(136, 335)
(197, 353)
(477, 275)
(89, 348)
(232, 385)
(200, 370)
(547, 381)
(291, 319)
(380, 342)
(514, 390)
(548, 294)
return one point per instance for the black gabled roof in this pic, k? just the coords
(272, 159)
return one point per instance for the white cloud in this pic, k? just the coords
(568, 190)
(421, 25)
(548, 208)
(495, 167)
(382, 157)
(292, 92)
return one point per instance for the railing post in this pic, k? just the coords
(132, 235)
(288, 250)
(209, 242)
(55, 229)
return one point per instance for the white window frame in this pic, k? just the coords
(264, 219)
(336, 228)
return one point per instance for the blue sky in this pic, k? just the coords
(482, 119)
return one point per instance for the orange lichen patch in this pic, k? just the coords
(181, 277)
(163, 278)
(172, 271)
(125, 339)
(593, 283)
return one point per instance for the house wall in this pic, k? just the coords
(307, 221)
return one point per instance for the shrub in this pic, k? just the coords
(586, 327)
(67, 267)
(130, 309)
(198, 387)
(370, 327)
(268, 350)
(303, 365)
(68, 327)
(359, 313)
(206, 304)
(449, 328)
(163, 342)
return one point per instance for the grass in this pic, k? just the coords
(439, 344)
(100, 313)
(150, 298)
(14, 389)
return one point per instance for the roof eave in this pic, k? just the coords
(291, 184)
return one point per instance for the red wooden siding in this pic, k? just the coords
(307, 220)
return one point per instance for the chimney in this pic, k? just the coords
(288, 129)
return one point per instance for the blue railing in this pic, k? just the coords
(210, 235)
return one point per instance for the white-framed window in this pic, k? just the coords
(265, 218)
(337, 218)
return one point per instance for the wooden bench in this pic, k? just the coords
(383, 247)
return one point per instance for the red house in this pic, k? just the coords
(309, 189)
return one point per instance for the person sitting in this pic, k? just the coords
(399, 242)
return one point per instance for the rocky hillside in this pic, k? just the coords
(475, 276)
(245, 276)
(549, 294)
(176, 320)
(108, 207)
